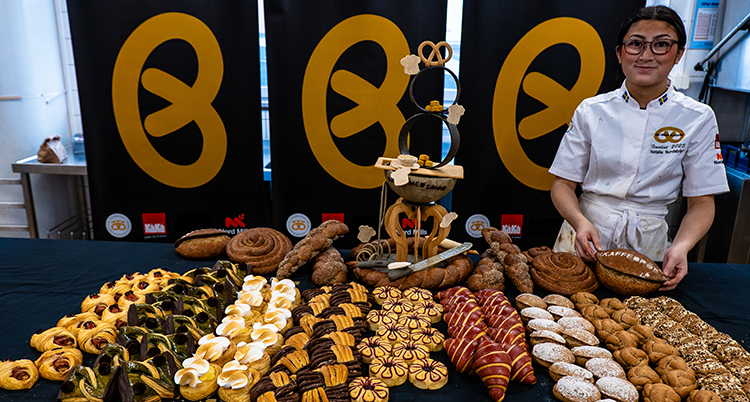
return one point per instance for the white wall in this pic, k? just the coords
(30, 67)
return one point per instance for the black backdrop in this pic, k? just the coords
(194, 152)
(523, 60)
(337, 99)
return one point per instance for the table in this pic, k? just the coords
(43, 280)
(74, 165)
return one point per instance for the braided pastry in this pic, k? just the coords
(311, 245)
(55, 364)
(263, 248)
(503, 258)
(563, 273)
(329, 268)
(54, 337)
(18, 374)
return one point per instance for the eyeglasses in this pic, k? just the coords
(659, 46)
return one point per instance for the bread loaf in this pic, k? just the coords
(329, 268)
(263, 248)
(202, 244)
(563, 273)
(627, 272)
(317, 240)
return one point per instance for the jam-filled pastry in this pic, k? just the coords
(72, 322)
(93, 336)
(54, 337)
(428, 374)
(55, 364)
(235, 382)
(197, 378)
(18, 374)
(392, 371)
(96, 303)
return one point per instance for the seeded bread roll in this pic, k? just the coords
(202, 244)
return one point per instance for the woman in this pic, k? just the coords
(632, 149)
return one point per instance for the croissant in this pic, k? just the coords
(55, 364)
(313, 243)
(468, 332)
(521, 369)
(18, 374)
(461, 353)
(492, 363)
(456, 290)
(54, 337)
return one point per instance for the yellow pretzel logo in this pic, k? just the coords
(374, 104)
(118, 225)
(435, 53)
(477, 226)
(669, 134)
(298, 225)
(188, 103)
(560, 101)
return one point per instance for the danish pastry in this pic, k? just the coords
(428, 374)
(55, 364)
(18, 374)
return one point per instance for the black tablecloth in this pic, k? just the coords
(43, 280)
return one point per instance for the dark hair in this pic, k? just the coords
(659, 13)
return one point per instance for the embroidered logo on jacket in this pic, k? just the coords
(669, 134)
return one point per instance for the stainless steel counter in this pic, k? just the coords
(74, 165)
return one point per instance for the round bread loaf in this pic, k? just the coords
(540, 324)
(618, 389)
(543, 336)
(558, 300)
(603, 367)
(627, 272)
(202, 244)
(575, 389)
(547, 353)
(575, 337)
(560, 312)
(562, 273)
(576, 323)
(525, 300)
(263, 248)
(561, 369)
(584, 353)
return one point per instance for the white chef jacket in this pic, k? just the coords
(631, 163)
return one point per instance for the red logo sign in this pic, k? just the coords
(408, 223)
(154, 224)
(512, 224)
(717, 144)
(332, 217)
(235, 222)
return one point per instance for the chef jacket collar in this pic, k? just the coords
(658, 102)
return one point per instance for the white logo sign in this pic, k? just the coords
(512, 229)
(298, 225)
(155, 228)
(475, 224)
(118, 225)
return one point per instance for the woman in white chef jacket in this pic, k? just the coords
(633, 149)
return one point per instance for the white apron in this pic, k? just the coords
(621, 224)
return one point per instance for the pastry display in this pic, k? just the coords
(316, 240)
(627, 272)
(562, 273)
(202, 244)
(261, 248)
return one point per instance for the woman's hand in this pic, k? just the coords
(565, 200)
(675, 266)
(586, 234)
